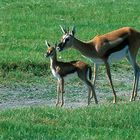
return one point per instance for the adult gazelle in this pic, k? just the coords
(107, 48)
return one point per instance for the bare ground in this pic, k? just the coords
(75, 92)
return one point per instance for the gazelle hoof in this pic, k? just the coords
(61, 104)
(96, 102)
(88, 103)
(114, 101)
(132, 99)
(91, 97)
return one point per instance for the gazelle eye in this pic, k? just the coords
(67, 39)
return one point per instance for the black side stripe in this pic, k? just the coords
(116, 49)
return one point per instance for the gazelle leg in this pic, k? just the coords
(58, 92)
(136, 88)
(95, 74)
(137, 81)
(134, 85)
(110, 80)
(89, 94)
(62, 91)
(95, 71)
(136, 76)
(94, 94)
(91, 89)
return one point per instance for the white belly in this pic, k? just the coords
(118, 55)
(95, 60)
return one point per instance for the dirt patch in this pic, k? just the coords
(75, 92)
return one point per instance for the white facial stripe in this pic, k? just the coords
(64, 38)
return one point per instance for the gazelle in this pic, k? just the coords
(107, 48)
(61, 69)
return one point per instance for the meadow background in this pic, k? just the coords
(25, 73)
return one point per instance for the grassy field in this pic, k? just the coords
(25, 25)
(106, 122)
(25, 74)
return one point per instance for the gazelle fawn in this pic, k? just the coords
(61, 69)
(107, 48)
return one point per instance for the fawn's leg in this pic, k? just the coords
(58, 92)
(62, 91)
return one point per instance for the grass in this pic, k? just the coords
(105, 122)
(25, 25)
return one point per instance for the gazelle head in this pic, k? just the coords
(50, 50)
(67, 39)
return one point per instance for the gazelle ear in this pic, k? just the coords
(73, 30)
(63, 30)
(47, 44)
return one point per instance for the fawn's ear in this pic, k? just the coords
(63, 30)
(47, 44)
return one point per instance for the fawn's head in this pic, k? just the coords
(66, 39)
(51, 50)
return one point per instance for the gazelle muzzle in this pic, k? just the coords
(60, 46)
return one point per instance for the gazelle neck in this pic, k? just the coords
(86, 48)
(78, 44)
(53, 59)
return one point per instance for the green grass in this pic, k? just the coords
(25, 26)
(107, 122)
